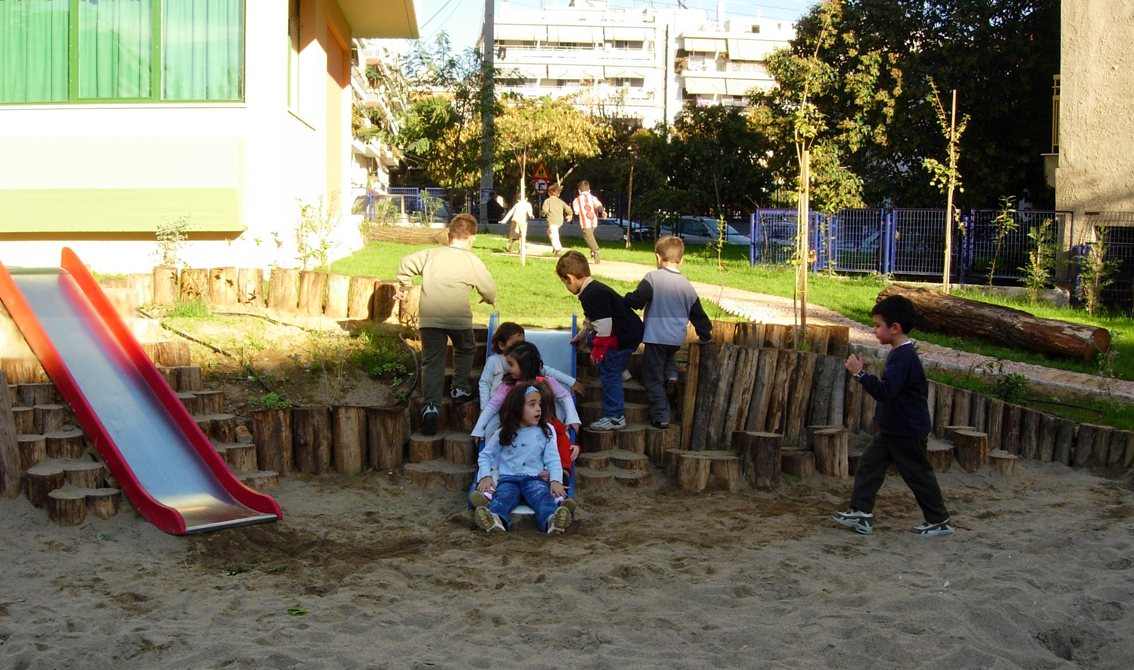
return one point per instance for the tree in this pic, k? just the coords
(528, 129)
(947, 177)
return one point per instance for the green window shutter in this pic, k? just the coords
(203, 50)
(33, 50)
(115, 49)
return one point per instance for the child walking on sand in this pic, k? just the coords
(612, 328)
(508, 334)
(902, 414)
(670, 302)
(448, 275)
(524, 446)
(523, 366)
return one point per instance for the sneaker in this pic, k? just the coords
(487, 521)
(609, 423)
(662, 425)
(598, 258)
(860, 521)
(935, 529)
(570, 505)
(626, 376)
(559, 520)
(429, 418)
(478, 499)
(460, 396)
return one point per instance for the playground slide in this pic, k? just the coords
(161, 459)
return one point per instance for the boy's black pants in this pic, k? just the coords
(909, 454)
(434, 342)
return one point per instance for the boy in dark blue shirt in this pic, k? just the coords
(902, 414)
(614, 331)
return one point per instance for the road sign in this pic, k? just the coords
(541, 172)
(540, 186)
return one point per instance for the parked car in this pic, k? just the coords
(638, 231)
(703, 230)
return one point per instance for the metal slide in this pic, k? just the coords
(163, 462)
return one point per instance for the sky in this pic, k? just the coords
(462, 19)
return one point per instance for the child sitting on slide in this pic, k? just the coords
(523, 366)
(506, 336)
(523, 446)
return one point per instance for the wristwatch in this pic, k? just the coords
(860, 374)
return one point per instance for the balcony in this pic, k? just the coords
(535, 54)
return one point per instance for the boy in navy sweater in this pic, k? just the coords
(612, 328)
(902, 414)
(670, 303)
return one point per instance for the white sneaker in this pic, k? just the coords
(945, 528)
(626, 376)
(559, 521)
(487, 521)
(609, 423)
(459, 396)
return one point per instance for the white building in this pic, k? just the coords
(373, 160)
(641, 62)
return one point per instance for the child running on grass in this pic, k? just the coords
(522, 448)
(508, 334)
(903, 426)
(524, 366)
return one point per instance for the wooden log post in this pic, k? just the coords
(718, 411)
(189, 378)
(950, 315)
(250, 287)
(776, 418)
(839, 343)
(978, 412)
(42, 480)
(312, 436)
(831, 449)
(194, 285)
(817, 339)
(759, 457)
(424, 448)
(660, 440)
(1030, 433)
(165, 285)
(1100, 451)
(460, 449)
(271, 433)
(1003, 463)
(868, 403)
(797, 462)
(632, 439)
(596, 461)
(171, 353)
(84, 474)
(1084, 444)
(761, 390)
(191, 403)
(596, 440)
(103, 503)
(260, 479)
(348, 429)
(589, 412)
(940, 456)
(360, 297)
(592, 479)
(32, 451)
(240, 457)
(338, 289)
(9, 445)
(1128, 456)
(67, 506)
(627, 460)
(384, 309)
(672, 460)
(283, 290)
(724, 332)
(962, 407)
(739, 400)
(995, 423)
(949, 430)
(408, 307)
(36, 394)
(690, 395)
(970, 449)
(23, 370)
(462, 418)
(852, 415)
(1048, 425)
(708, 377)
(800, 399)
(312, 288)
(828, 374)
(210, 402)
(1010, 440)
(48, 418)
(693, 472)
(65, 443)
(943, 412)
(387, 429)
(23, 418)
(1118, 441)
(724, 471)
(142, 284)
(1064, 441)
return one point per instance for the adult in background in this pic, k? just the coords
(494, 210)
(588, 209)
(556, 211)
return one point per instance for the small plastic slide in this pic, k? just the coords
(161, 459)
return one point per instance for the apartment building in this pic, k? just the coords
(642, 63)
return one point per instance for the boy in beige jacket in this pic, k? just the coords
(448, 276)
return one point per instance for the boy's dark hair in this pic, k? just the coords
(670, 248)
(462, 227)
(896, 309)
(554, 189)
(527, 359)
(512, 411)
(573, 263)
(504, 332)
(492, 195)
(584, 185)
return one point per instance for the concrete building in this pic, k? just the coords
(130, 113)
(373, 160)
(1092, 136)
(642, 63)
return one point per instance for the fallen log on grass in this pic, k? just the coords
(942, 313)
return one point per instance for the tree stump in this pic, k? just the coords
(947, 431)
(995, 423)
(708, 377)
(408, 307)
(726, 380)
(589, 412)
(632, 438)
(84, 474)
(36, 394)
(1010, 440)
(67, 506)
(222, 428)
(48, 418)
(170, 353)
(598, 460)
(32, 450)
(1030, 433)
(672, 459)
(424, 448)
(271, 433)
(188, 378)
(460, 448)
(962, 407)
(312, 291)
(190, 402)
(260, 479)
(338, 287)
(693, 471)
(776, 419)
(360, 297)
(422, 474)
(1117, 451)
(589, 479)
(800, 399)
(387, 429)
(940, 457)
(142, 285)
(250, 287)
(978, 412)
(312, 436)
(66, 443)
(349, 438)
(724, 470)
(633, 478)
(1003, 463)
(759, 456)
(165, 285)
(1048, 425)
(970, 449)
(210, 402)
(384, 309)
(194, 285)
(9, 446)
(797, 462)
(660, 440)
(943, 409)
(23, 370)
(240, 457)
(43, 479)
(462, 417)
(690, 392)
(627, 460)
(831, 448)
(104, 502)
(1084, 444)
(740, 399)
(596, 440)
(283, 290)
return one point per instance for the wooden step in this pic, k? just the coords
(441, 473)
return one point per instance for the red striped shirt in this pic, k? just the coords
(587, 207)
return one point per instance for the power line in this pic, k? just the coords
(435, 15)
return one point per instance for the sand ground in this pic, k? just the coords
(1040, 575)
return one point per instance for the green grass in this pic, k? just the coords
(533, 295)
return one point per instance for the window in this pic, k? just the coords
(58, 51)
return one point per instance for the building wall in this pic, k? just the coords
(1096, 164)
(267, 154)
